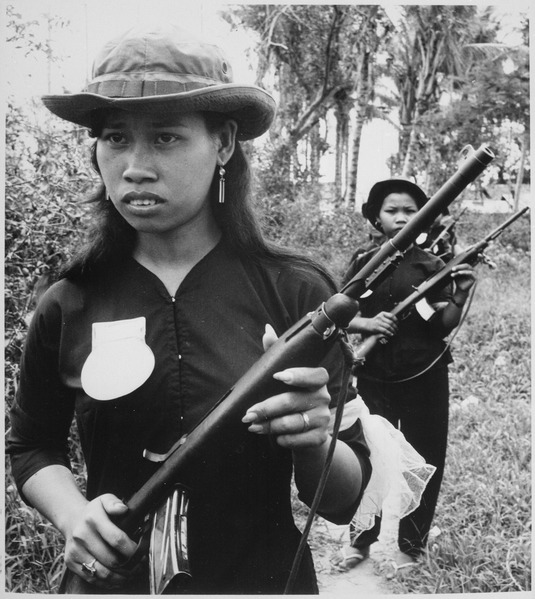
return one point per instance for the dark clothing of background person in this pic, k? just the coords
(419, 406)
(444, 248)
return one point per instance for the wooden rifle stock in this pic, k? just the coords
(437, 281)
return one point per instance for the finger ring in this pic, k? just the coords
(306, 422)
(264, 414)
(89, 568)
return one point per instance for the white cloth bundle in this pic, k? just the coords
(399, 472)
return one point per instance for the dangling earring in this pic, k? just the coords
(221, 184)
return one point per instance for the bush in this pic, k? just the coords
(473, 227)
(47, 174)
(329, 237)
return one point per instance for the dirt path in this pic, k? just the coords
(371, 578)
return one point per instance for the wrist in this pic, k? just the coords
(312, 453)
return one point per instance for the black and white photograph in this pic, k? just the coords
(267, 298)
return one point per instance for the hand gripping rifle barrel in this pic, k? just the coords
(304, 344)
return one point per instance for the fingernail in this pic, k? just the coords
(284, 376)
(250, 417)
(255, 428)
(269, 329)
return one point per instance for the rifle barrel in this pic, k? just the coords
(498, 230)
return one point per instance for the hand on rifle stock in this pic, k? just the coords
(95, 548)
(464, 277)
(299, 417)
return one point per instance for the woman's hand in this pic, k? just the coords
(95, 548)
(299, 417)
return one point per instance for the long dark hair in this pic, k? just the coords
(111, 239)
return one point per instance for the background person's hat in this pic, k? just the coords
(372, 206)
(169, 69)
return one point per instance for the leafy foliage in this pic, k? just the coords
(484, 510)
(47, 174)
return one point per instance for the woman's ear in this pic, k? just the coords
(227, 141)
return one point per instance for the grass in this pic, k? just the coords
(484, 509)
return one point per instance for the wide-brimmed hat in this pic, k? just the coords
(170, 69)
(381, 189)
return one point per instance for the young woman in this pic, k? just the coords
(175, 296)
(405, 380)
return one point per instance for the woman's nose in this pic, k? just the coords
(139, 165)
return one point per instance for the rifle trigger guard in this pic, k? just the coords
(161, 457)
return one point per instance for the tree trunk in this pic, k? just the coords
(408, 160)
(340, 171)
(315, 153)
(364, 90)
(524, 140)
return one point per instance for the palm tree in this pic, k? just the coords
(370, 35)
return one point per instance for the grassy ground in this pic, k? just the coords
(484, 511)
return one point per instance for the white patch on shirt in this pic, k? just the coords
(120, 361)
(424, 309)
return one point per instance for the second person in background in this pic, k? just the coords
(405, 379)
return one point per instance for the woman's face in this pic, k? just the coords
(158, 170)
(396, 211)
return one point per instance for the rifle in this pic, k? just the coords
(306, 343)
(446, 230)
(440, 279)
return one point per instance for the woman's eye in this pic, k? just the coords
(166, 138)
(115, 137)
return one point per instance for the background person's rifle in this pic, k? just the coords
(306, 343)
(473, 254)
(445, 231)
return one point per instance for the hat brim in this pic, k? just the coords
(251, 107)
(371, 208)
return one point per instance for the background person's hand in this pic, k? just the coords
(384, 324)
(464, 277)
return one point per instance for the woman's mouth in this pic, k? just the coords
(141, 200)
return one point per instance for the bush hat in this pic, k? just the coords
(381, 189)
(168, 68)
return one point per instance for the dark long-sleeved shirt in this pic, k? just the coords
(241, 530)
